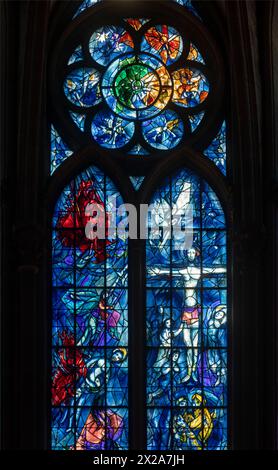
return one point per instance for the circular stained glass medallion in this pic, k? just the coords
(82, 87)
(109, 42)
(137, 86)
(111, 131)
(164, 131)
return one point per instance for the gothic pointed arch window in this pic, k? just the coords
(139, 324)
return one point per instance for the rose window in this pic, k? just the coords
(141, 89)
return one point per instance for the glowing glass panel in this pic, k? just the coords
(187, 320)
(90, 320)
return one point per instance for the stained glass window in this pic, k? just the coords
(136, 83)
(137, 87)
(59, 150)
(126, 94)
(137, 181)
(216, 151)
(84, 5)
(89, 3)
(186, 320)
(90, 319)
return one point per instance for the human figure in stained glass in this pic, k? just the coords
(195, 426)
(116, 393)
(91, 391)
(190, 317)
(102, 325)
(70, 226)
(217, 337)
(71, 366)
(164, 375)
(165, 338)
(101, 431)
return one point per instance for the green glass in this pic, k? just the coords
(137, 86)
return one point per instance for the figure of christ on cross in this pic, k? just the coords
(190, 275)
(190, 317)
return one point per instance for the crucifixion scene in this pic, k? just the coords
(187, 321)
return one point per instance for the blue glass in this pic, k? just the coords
(61, 438)
(118, 108)
(85, 5)
(159, 377)
(158, 317)
(63, 260)
(62, 315)
(212, 212)
(138, 150)
(76, 56)
(186, 320)
(214, 258)
(158, 429)
(186, 316)
(116, 250)
(185, 189)
(216, 151)
(108, 42)
(159, 251)
(195, 120)
(90, 319)
(215, 317)
(163, 132)
(59, 150)
(137, 181)
(117, 391)
(79, 120)
(82, 88)
(111, 131)
(89, 3)
(214, 368)
(136, 86)
(188, 5)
